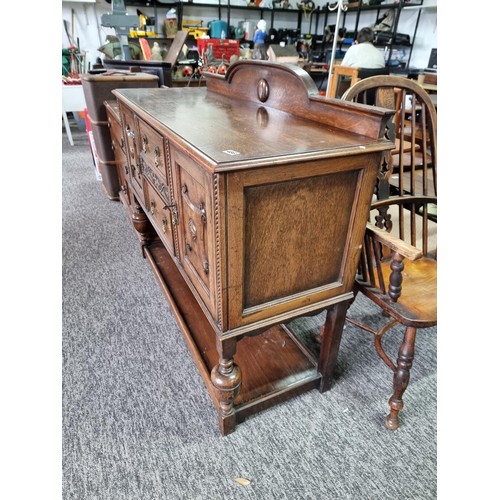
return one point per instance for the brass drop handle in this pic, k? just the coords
(200, 210)
(153, 206)
(130, 132)
(173, 210)
(164, 223)
(144, 143)
(175, 216)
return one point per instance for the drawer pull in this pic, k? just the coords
(205, 266)
(130, 132)
(122, 142)
(126, 169)
(145, 143)
(164, 224)
(175, 215)
(200, 210)
(152, 207)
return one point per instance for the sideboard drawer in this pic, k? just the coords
(135, 163)
(121, 168)
(154, 165)
(117, 138)
(152, 148)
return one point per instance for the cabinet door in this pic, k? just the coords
(294, 235)
(134, 161)
(193, 192)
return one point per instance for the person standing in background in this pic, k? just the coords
(363, 54)
(259, 40)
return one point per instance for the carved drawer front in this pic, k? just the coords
(150, 143)
(196, 231)
(122, 169)
(134, 160)
(162, 215)
(117, 137)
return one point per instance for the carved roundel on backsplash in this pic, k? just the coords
(263, 90)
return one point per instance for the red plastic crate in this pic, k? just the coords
(221, 48)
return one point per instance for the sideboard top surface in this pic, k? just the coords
(229, 131)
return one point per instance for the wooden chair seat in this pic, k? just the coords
(418, 179)
(412, 175)
(408, 130)
(418, 158)
(406, 146)
(417, 305)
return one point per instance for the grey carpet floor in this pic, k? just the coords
(139, 424)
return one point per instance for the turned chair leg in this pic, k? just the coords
(401, 377)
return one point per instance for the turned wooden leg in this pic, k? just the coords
(401, 377)
(226, 380)
(331, 335)
(142, 225)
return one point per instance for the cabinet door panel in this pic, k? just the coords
(193, 193)
(295, 233)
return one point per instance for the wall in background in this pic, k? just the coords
(83, 18)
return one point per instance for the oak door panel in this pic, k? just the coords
(193, 194)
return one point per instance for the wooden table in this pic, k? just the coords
(250, 199)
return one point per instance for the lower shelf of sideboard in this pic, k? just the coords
(274, 365)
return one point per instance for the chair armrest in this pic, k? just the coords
(394, 243)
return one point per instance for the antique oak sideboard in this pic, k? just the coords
(250, 199)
